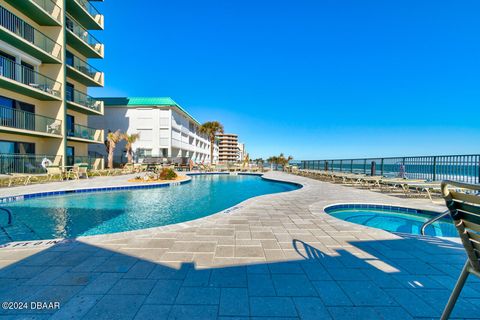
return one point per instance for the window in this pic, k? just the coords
(142, 153)
(7, 65)
(70, 125)
(69, 91)
(69, 58)
(17, 147)
(70, 156)
(10, 118)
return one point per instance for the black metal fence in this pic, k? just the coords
(463, 168)
(26, 163)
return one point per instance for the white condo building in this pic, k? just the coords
(242, 152)
(165, 128)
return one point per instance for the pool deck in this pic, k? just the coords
(273, 256)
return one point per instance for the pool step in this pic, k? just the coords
(17, 232)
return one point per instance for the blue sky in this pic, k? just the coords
(315, 79)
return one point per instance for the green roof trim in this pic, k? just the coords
(145, 101)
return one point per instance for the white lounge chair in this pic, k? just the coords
(465, 211)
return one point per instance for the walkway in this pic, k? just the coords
(276, 256)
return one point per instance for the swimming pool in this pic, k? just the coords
(83, 214)
(394, 219)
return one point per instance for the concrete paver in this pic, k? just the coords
(276, 255)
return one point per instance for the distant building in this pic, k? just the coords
(166, 129)
(228, 147)
(242, 152)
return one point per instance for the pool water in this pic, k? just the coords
(397, 221)
(82, 214)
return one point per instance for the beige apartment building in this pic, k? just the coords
(227, 147)
(46, 47)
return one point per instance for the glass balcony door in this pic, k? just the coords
(70, 156)
(10, 117)
(70, 125)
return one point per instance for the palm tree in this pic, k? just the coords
(273, 160)
(284, 161)
(259, 163)
(112, 139)
(130, 139)
(211, 129)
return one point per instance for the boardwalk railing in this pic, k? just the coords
(464, 168)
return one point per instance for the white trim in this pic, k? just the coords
(19, 54)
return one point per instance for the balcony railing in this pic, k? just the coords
(83, 132)
(50, 7)
(90, 160)
(88, 7)
(25, 163)
(22, 29)
(84, 100)
(83, 34)
(83, 67)
(19, 119)
(15, 71)
(463, 168)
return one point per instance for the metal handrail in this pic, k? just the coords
(83, 99)
(75, 27)
(432, 220)
(462, 168)
(9, 215)
(20, 73)
(24, 30)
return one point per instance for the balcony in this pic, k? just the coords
(25, 163)
(81, 102)
(80, 39)
(85, 134)
(86, 14)
(28, 123)
(18, 78)
(43, 12)
(84, 73)
(23, 36)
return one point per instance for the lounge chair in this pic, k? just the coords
(54, 173)
(78, 170)
(428, 188)
(18, 179)
(55, 127)
(465, 211)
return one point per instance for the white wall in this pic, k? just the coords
(159, 128)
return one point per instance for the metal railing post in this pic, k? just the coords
(365, 166)
(381, 167)
(434, 178)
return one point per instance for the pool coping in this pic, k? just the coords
(170, 227)
(363, 205)
(136, 185)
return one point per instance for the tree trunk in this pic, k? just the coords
(110, 155)
(129, 155)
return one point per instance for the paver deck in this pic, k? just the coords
(275, 256)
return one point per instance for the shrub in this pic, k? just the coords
(167, 174)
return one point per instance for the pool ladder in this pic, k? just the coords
(432, 220)
(9, 213)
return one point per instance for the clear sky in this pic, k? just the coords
(315, 79)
